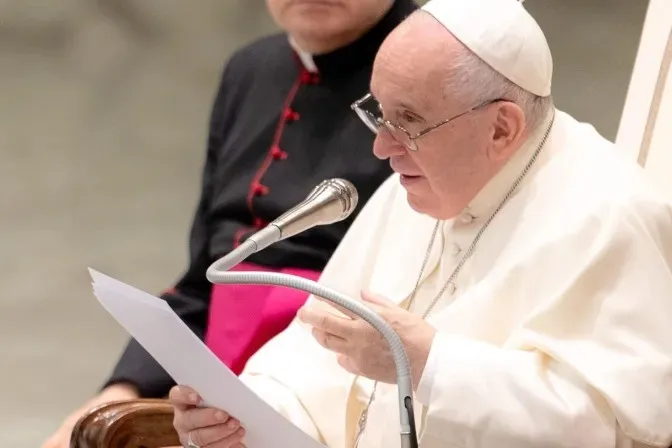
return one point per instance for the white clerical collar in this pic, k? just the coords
(305, 57)
(489, 198)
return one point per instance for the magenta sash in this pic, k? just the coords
(243, 318)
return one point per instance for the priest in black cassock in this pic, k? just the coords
(281, 123)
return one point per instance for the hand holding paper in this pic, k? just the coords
(203, 426)
(189, 362)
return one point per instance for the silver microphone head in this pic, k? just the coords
(331, 201)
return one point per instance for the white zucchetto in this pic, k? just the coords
(504, 35)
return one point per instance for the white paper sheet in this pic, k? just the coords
(189, 362)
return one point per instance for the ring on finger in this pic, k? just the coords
(190, 442)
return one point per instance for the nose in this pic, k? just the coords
(385, 147)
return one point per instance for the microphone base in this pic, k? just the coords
(409, 440)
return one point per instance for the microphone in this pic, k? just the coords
(330, 201)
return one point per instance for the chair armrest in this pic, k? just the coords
(143, 423)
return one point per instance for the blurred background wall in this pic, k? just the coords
(103, 110)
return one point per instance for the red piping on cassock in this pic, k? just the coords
(256, 188)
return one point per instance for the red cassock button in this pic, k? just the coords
(278, 153)
(291, 115)
(260, 190)
(259, 223)
(309, 78)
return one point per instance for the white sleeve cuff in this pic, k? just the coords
(427, 380)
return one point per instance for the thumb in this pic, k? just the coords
(376, 299)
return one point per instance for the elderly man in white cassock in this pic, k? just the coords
(525, 264)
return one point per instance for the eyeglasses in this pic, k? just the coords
(374, 121)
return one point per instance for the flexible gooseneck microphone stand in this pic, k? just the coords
(218, 273)
(404, 382)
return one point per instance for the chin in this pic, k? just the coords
(420, 204)
(429, 206)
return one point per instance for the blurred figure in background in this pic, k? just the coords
(280, 124)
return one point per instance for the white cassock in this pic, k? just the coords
(556, 333)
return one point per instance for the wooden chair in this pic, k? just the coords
(144, 423)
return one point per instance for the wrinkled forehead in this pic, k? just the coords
(413, 62)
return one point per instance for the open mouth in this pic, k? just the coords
(407, 180)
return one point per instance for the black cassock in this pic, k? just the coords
(276, 131)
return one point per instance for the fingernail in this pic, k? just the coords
(232, 424)
(221, 416)
(193, 398)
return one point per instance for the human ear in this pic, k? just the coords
(508, 127)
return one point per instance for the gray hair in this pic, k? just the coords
(474, 82)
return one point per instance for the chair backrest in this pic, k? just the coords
(143, 423)
(644, 132)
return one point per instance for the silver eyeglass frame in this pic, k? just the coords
(408, 140)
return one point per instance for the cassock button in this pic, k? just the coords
(260, 190)
(259, 223)
(278, 154)
(290, 115)
(309, 78)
